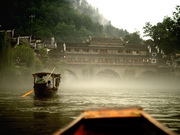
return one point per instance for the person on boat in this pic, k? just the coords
(57, 81)
(49, 85)
(40, 80)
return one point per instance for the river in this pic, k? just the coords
(31, 116)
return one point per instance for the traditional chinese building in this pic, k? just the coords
(107, 55)
(107, 51)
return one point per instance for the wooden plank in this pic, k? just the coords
(158, 124)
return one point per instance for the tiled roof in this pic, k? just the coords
(136, 47)
(106, 41)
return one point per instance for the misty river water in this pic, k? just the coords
(31, 116)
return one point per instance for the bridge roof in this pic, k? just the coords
(108, 56)
(106, 42)
(136, 47)
(105, 46)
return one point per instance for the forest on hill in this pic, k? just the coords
(76, 20)
(66, 20)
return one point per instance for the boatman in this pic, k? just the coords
(49, 85)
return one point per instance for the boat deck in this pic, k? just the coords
(115, 122)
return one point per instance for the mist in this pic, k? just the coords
(109, 83)
(26, 83)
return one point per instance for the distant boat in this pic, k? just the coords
(46, 84)
(115, 121)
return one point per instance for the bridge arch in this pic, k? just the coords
(150, 75)
(88, 71)
(70, 75)
(129, 73)
(107, 74)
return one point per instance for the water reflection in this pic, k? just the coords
(38, 116)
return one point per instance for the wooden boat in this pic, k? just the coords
(46, 84)
(121, 121)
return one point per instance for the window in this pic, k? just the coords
(76, 50)
(95, 50)
(154, 54)
(129, 61)
(121, 60)
(103, 51)
(145, 60)
(153, 61)
(68, 50)
(128, 51)
(86, 50)
(120, 51)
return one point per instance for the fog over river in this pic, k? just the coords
(32, 116)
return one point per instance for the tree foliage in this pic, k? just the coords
(166, 34)
(5, 56)
(133, 38)
(66, 20)
(43, 57)
(24, 55)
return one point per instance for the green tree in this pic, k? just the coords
(43, 57)
(166, 34)
(24, 55)
(65, 31)
(5, 56)
(66, 20)
(133, 38)
(148, 29)
(176, 18)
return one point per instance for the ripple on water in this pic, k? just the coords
(164, 106)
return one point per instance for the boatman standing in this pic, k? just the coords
(49, 85)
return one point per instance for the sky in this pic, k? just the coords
(133, 14)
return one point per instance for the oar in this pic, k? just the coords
(50, 73)
(27, 93)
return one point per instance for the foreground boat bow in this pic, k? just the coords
(122, 121)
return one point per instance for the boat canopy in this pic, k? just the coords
(42, 74)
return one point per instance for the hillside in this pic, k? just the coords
(66, 20)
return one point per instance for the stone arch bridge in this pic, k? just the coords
(85, 71)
